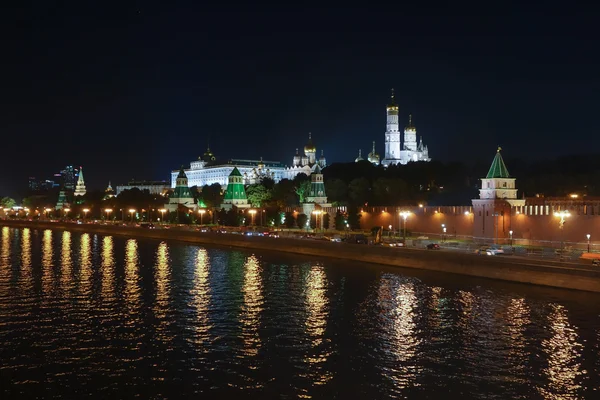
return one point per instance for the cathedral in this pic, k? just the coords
(397, 152)
(306, 163)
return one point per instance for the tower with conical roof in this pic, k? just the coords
(310, 150)
(108, 192)
(80, 188)
(181, 194)
(62, 201)
(235, 195)
(317, 187)
(373, 156)
(392, 134)
(493, 211)
(410, 135)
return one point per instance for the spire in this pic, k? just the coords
(409, 119)
(359, 158)
(498, 168)
(392, 100)
(373, 147)
(80, 187)
(296, 151)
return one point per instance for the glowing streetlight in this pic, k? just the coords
(131, 211)
(162, 214)
(85, 211)
(107, 211)
(252, 213)
(66, 211)
(317, 213)
(588, 236)
(511, 238)
(404, 215)
(444, 232)
(201, 212)
(563, 215)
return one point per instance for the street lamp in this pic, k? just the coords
(65, 212)
(131, 211)
(443, 232)
(162, 214)
(85, 211)
(252, 213)
(588, 238)
(317, 213)
(563, 215)
(201, 211)
(511, 238)
(404, 215)
(107, 211)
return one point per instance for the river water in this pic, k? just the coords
(89, 315)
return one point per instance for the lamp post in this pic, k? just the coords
(252, 213)
(443, 232)
(563, 215)
(317, 213)
(162, 214)
(588, 238)
(131, 211)
(511, 238)
(85, 211)
(107, 211)
(201, 212)
(66, 212)
(404, 215)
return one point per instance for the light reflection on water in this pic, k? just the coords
(114, 315)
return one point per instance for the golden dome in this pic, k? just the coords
(310, 147)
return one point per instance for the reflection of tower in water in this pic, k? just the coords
(563, 351)
(66, 260)
(252, 307)
(26, 256)
(47, 256)
(85, 264)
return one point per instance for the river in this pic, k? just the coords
(89, 315)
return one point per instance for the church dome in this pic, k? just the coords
(359, 158)
(373, 156)
(208, 155)
(310, 147)
(322, 158)
(410, 126)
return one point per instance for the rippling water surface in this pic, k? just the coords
(88, 315)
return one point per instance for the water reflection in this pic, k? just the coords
(66, 261)
(517, 319)
(132, 289)
(85, 264)
(47, 256)
(252, 307)
(26, 253)
(398, 303)
(108, 265)
(564, 352)
(200, 297)
(5, 253)
(162, 273)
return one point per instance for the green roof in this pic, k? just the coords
(235, 172)
(317, 169)
(181, 173)
(498, 168)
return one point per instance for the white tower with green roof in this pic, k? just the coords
(235, 195)
(317, 188)
(493, 211)
(181, 194)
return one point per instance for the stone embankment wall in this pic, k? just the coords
(538, 272)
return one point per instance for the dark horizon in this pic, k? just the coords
(134, 92)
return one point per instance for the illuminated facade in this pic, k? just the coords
(306, 163)
(181, 194)
(395, 153)
(207, 171)
(80, 188)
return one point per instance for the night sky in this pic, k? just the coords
(135, 90)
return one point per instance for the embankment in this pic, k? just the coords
(538, 272)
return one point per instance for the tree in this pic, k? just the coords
(303, 191)
(283, 194)
(339, 221)
(301, 220)
(212, 195)
(358, 191)
(389, 191)
(325, 221)
(337, 191)
(7, 202)
(257, 194)
(290, 220)
(353, 218)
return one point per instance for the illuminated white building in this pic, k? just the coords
(206, 171)
(395, 153)
(307, 163)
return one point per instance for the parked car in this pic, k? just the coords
(357, 239)
(433, 246)
(147, 225)
(489, 250)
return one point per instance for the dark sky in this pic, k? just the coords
(136, 90)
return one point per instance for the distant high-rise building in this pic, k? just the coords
(68, 177)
